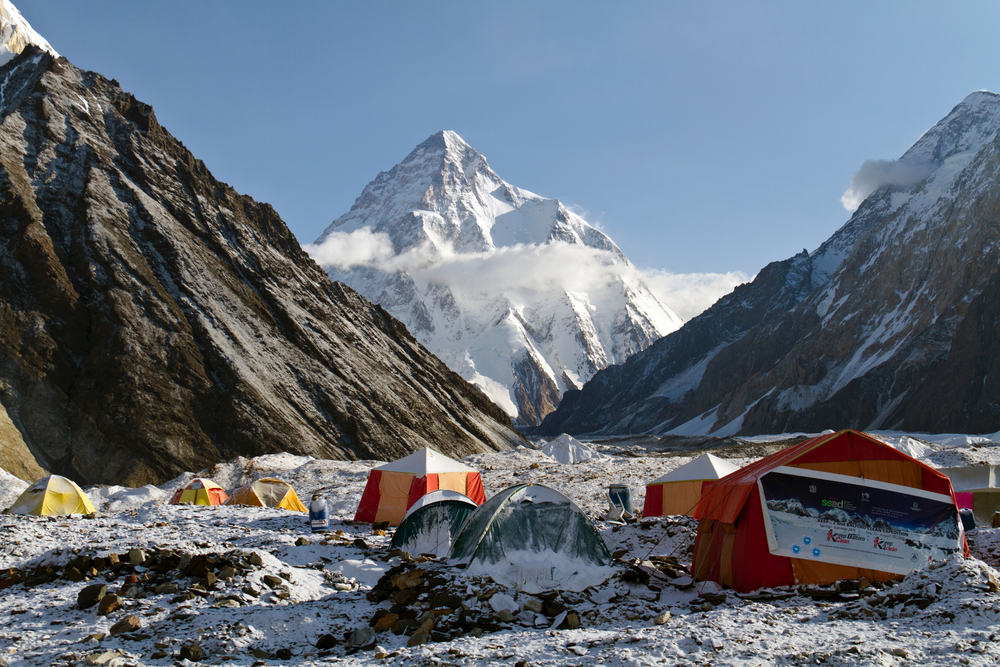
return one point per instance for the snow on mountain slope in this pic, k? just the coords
(888, 324)
(16, 33)
(515, 292)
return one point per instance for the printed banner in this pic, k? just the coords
(852, 521)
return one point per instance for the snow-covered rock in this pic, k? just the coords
(517, 293)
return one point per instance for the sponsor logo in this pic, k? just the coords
(866, 496)
(842, 538)
(884, 545)
(837, 537)
(914, 506)
(832, 503)
(812, 488)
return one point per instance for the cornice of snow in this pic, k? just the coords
(16, 33)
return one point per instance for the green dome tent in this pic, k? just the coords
(535, 538)
(430, 524)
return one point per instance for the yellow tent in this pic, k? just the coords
(267, 492)
(199, 491)
(52, 496)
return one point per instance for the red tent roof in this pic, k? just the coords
(727, 496)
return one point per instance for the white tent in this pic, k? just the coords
(679, 490)
(976, 488)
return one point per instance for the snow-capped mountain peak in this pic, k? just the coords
(16, 33)
(516, 292)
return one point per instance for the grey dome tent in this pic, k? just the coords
(535, 538)
(430, 524)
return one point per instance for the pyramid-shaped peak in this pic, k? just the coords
(16, 33)
(981, 97)
(451, 145)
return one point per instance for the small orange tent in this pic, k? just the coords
(199, 491)
(735, 548)
(392, 488)
(679, 491)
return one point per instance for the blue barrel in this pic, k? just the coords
(319, 515)
(621, 496)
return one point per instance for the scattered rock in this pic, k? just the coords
(361, 636)
(91, 595)
(109, 604)
(192, 652)
(130, 623)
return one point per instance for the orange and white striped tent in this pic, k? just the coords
(392, 488)
(199, 491)
(679, 491)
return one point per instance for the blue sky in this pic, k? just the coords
(702, 137)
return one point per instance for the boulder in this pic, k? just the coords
(91, 595)
(130, 623)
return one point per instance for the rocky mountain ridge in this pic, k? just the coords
(515, 292)
(154, 320)
(888, 324)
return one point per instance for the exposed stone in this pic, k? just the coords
(272, 581)
(130, 623)
(662, 619)
(362, 636)
(91, 595)
(109, 604)
(192, 652)
(419, 637)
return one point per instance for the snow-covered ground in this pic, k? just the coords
(288, 588)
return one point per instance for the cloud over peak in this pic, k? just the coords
(873, 174)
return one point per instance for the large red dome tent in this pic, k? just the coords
(837, 506)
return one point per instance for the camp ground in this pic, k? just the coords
(392, 488)
(679, 491)
(322, 604)
(199, 491)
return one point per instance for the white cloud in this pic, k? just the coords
(873, 174)
(548, 267)
(690, 294)
(544, 267)
(344, 250)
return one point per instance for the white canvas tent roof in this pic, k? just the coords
(705, 466)
(425, 461)
(972, 478)
(436, 497)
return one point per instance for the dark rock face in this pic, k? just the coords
(889, 324)
(153, 320)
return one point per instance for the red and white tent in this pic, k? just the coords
(679, 491)
(392, 488)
